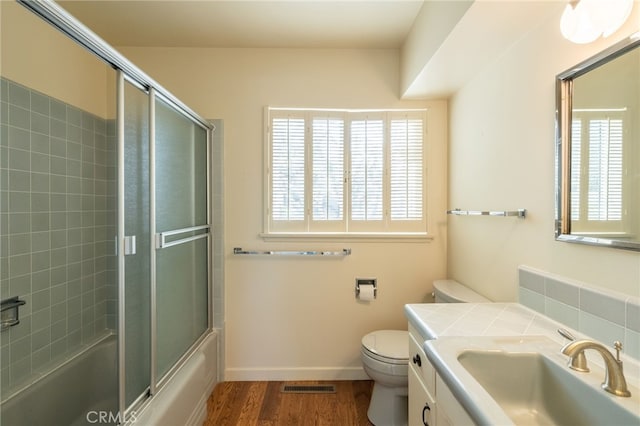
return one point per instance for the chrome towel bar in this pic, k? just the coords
(520, 213)
(344, 252)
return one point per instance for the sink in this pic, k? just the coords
(533, 390)
(524, 380)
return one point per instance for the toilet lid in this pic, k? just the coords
(391, 344)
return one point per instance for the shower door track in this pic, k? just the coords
(76, 30)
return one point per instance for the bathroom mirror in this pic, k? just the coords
(598, 149)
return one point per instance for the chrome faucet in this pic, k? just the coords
(614, 381)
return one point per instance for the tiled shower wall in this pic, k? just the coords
(57, 223)
(600, 314)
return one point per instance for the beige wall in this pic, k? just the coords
(297, 317)
(38, 56)
(502, 157)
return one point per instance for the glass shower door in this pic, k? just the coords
(182, 228)
(164, 240)
(136, 292)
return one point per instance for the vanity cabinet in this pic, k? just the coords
(421, 404)
(431, 403)
(450, 412)
(422, 384)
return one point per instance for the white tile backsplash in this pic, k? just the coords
(601, 315)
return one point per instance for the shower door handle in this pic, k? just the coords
(129, 245)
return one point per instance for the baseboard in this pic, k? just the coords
(281, 374)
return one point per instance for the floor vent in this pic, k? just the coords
(308, 389)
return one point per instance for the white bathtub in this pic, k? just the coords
(183, 400)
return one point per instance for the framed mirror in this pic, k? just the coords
(598, 149)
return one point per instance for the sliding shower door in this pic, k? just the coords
(182, 225)
(135, 293)
(104, 225)
(164, 239)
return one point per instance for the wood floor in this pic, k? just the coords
(263, 403)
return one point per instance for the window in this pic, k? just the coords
(338, 171)
(597, 171)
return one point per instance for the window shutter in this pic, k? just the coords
(328, 169)
(576, 168)
(406, 169)
(313, 153)
(288, 171)
(605, 169)
(597, 172)
(367, 166)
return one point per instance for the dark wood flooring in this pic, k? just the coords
(263, 403)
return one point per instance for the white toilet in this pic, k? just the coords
(451, 291)
(385, 356)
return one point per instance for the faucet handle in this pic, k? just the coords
(579, 361)
(618, 347)
(565, 333)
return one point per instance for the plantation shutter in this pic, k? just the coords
(576, 169)
(406, 159)
(367, 168)
(597, 172)
(328, 169)
(288, 169)
(605, 169)
(345, 172)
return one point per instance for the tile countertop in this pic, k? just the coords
(434, 320)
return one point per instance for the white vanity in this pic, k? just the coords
(473, 363)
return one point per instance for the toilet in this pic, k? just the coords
(385, 357)
(451, 291)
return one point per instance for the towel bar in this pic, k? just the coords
(520, 213)
(344, 252)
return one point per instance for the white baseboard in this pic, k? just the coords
(281, 374)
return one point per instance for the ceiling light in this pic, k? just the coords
(583, 21)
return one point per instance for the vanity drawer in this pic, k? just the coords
(421, 363)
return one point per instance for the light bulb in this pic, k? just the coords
(587, 20)
(576, 24)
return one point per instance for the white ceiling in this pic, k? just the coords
(242, 23)
(451, 41)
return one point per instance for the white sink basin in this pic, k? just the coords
(525, 381)
(533, 390)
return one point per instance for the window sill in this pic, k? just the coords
(351, 236)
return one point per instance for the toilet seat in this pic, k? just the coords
(389, 346)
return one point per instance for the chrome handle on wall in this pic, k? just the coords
(520, 213)
(240, 251)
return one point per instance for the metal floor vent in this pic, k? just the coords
(308, 389)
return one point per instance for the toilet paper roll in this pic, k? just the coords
(367, 292)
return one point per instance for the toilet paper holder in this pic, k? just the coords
(367, 281)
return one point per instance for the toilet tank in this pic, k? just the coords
(451, 291)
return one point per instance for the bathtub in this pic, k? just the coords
(83, 391)
(183, 400)
(71, 394)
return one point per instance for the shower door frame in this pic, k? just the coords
(65, 22)
(156, 243)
